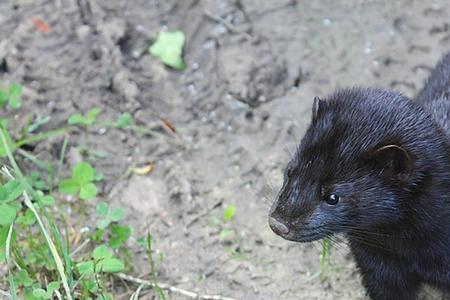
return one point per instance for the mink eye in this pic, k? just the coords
(332, 199)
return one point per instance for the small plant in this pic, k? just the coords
(118, 235)
(325, 265)
(107, 215)
(124, 121)
(85, 122)
(153, 272)
(325, 258)
(81, 182)
(9, 204)
(228, 213)
(11, 96)
(102, 260)
(40, 293)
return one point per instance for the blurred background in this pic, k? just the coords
(198, 105)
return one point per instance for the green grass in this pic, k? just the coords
(47, 254)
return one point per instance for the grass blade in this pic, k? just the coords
(29, 204)
(12, 285)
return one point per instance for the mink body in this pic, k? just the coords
(375, 166)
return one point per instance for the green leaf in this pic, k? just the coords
(27, 219)
(83, 172)
(103, 223)
(14, 188)
(14, 93)
(125, 120)
(168, 48)
(117, 214)
(102, 209)
(92, 286)
(119, 235)
(229, 212)
(111, 265)
(7, 214)
(15, 90)
(14, 102)
(92, 114)
(98, 235)
(87, 120)
(77, 119)
(52, 286)
(22, 278)
(3, 193)
(100, 252)
(98, 176)
(69, 187)
(88, 191)
(86, 268)
(47, 200)
(40, 293)
(29, 296)
(35, 181)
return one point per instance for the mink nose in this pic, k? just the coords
(278, 227)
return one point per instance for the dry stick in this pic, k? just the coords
(230, 27)
(173, 289)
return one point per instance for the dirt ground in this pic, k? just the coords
(240, 108)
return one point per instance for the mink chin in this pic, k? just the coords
(375, 166)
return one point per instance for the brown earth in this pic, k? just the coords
(240, 108)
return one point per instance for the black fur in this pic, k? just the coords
(388, 160)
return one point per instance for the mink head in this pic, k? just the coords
(356, 168)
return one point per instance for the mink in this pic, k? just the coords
(374, 166)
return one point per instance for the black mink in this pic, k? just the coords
(375, 166)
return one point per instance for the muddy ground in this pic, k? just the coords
(240, 108)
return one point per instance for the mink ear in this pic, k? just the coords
(394, 161)
(316, 105)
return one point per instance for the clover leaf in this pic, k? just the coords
(23, 278)
(81, 182)
(124, 121)
(8, 206)
(119, 235)
(107, 215)
(12, 95)
(102, 261)
(89, 119)
(46, 294)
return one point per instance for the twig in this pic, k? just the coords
(173, 289)
(85, 242)
(205, 213)
(230, 27)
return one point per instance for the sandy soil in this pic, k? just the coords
(240, 108)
